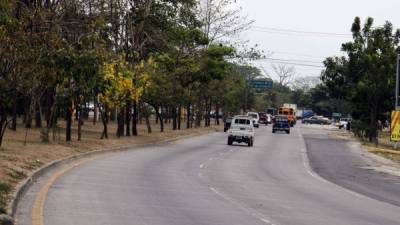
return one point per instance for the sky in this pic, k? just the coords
(307, 31)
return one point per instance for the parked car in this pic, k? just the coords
(255, 117)
(317, 120)
(241, 130)
(281, 123)
(263, 118)
(227, 123)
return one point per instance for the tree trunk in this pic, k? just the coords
(134, 119)
(95, 110)
(14, 116)
(104, 119)
(160, 117)
(38, 115)
(49, 106)
(128, 118)
(28, 116)
(148, 123)
(76, 114)
(174, 121)
(372, 133)
(68, 118)
(3, 122)
(120, 123)
(217, 114)
(188, 116)
(3, 127)
(80, 121)
(113, 116)
(207, 116)
(198, 119)
(179, 116)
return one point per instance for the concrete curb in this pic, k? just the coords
(24, 186)
(381, 150)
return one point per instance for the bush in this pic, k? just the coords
(360, 129)
(5, 190)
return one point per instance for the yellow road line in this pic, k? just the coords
(37, 209)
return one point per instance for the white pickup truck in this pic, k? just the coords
(241, 130)
(256, 117)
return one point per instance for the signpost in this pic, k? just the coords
(395, 119)
(337, 115)
(397, 106)
(260, 83)
(395, 126)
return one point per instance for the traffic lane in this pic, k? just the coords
(273, 181)
(343, 163)
(155, 186)
(212, 183)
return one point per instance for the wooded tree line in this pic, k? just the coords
(365, 77)
(131, 59)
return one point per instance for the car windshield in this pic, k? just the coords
(242, 121)
(253, 115)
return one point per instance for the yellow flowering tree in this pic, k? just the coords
(123, 84)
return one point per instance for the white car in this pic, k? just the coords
(255, 117)
(269, 119)
(241, 130)
(343, 123)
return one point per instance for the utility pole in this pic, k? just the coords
(397, 82)
(397, 97)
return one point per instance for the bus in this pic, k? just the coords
(290, 113)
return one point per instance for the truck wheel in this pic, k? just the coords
(250, 142)
(230, 141)
(273, 131)
(288, 131)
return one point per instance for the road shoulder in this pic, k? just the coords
(346, 163)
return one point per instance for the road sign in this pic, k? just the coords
(336, 115)
(395, 126)
(260, 83)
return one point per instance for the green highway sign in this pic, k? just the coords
(336, 115)
(260, 83)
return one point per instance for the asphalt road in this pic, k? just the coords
(203, 181)
(344, 163)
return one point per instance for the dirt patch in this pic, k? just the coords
(23, 151)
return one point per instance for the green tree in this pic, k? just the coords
(366, 76)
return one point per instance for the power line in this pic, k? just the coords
(290, 31)
(300, 64)
(304, 63)
(296, 35)
(292, 60)
(297, 54)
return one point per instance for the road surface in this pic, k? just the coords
(203, 181)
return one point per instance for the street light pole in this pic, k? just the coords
(397, 82)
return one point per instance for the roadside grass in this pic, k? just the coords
(5, 190)
(385, 147)
(23, 151)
